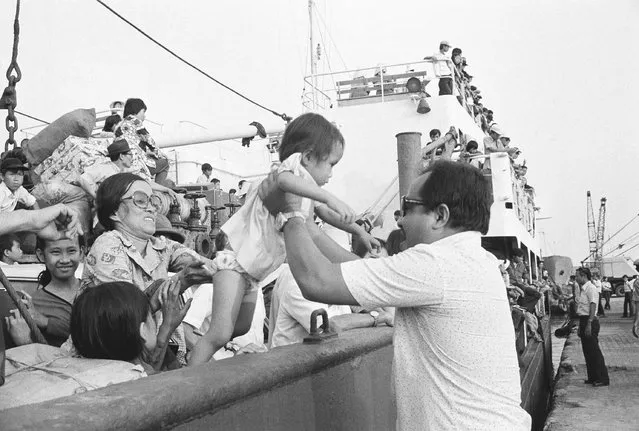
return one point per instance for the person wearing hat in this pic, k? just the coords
(163, 228)
(121, 159)
(493, 143)
(12, 194)
(443, 68)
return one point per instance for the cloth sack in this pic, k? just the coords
(37, 373)
(77, 123)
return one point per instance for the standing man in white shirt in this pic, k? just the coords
(454, 367)
(443, 68)
(587, 302)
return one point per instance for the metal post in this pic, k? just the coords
(409, 147)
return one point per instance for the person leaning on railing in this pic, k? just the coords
(443, 68)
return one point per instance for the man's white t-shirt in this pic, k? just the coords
(290, 318)
(202, 179)
(455, 362)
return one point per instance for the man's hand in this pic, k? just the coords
(55, 222)
(386, 316)
(588, 330)
(18, 328)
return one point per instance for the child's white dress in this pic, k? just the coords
(256, 245)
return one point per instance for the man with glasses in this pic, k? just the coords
(455, 362)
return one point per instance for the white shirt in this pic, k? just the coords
(455, 362)
(202, 179)
(290, 319)
(441, 66)
(597, 284)
(199, 317)
(586, 295)
(9, 199)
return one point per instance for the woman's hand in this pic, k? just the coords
(173, 311)
(345, 212)
(196, 272)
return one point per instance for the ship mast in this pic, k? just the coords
(312, 53)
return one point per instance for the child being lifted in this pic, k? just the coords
(310, 147)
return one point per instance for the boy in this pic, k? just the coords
(207, 170)
(12, 194)
(472, 149)
(10, 251)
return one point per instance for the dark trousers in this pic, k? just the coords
(600, 309)
(606, 294)
(627, 304)
(595, 363)
(445, 86)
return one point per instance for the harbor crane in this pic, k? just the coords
(595, 233)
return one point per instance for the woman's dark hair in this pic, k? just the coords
(106, 319)
(310, 132)
(110, 123)
(464, 189)
(133, 107)
(471, 145)
(109, 196)
(44, 278)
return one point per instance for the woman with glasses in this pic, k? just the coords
(128, 251)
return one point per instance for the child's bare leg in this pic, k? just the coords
(245, 316)
(228, 290)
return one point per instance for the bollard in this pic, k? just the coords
(409, 155)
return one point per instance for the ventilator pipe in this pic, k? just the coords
(409, 149)
(206, 135)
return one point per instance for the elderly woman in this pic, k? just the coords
(128, 251)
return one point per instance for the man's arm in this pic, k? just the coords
(345, 322)
(54, 222)
(318, 278)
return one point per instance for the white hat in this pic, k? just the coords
(495, 128)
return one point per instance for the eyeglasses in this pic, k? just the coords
(142, 200)
(408, 204)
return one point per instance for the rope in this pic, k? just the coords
(283, 116)
(9, 99)
(33, 118)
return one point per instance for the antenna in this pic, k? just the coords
(592, 234)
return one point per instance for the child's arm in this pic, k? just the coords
(332, 218)
(290, 183)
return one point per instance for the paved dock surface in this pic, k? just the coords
(577, 405)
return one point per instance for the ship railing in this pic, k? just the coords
(378, 84)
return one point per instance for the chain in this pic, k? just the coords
(9, 99)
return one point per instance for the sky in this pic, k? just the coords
(561, 76)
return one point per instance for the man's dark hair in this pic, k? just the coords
(471, 145)
(110, 122)
(106, 319)
(397, 213)
(584, 271)
(215, 181)
(456, 51)
(241, 183)
(207, 167)
(433, 132)
(6, 243)
(232, 191)
(115, 157)
(109, 196)
(463, 189)
(133, 107)
(518, 252)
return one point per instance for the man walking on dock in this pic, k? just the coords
(587, 302)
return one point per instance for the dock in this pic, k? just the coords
(576, 405)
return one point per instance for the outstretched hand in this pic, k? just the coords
(56, 222)
(196, 272)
